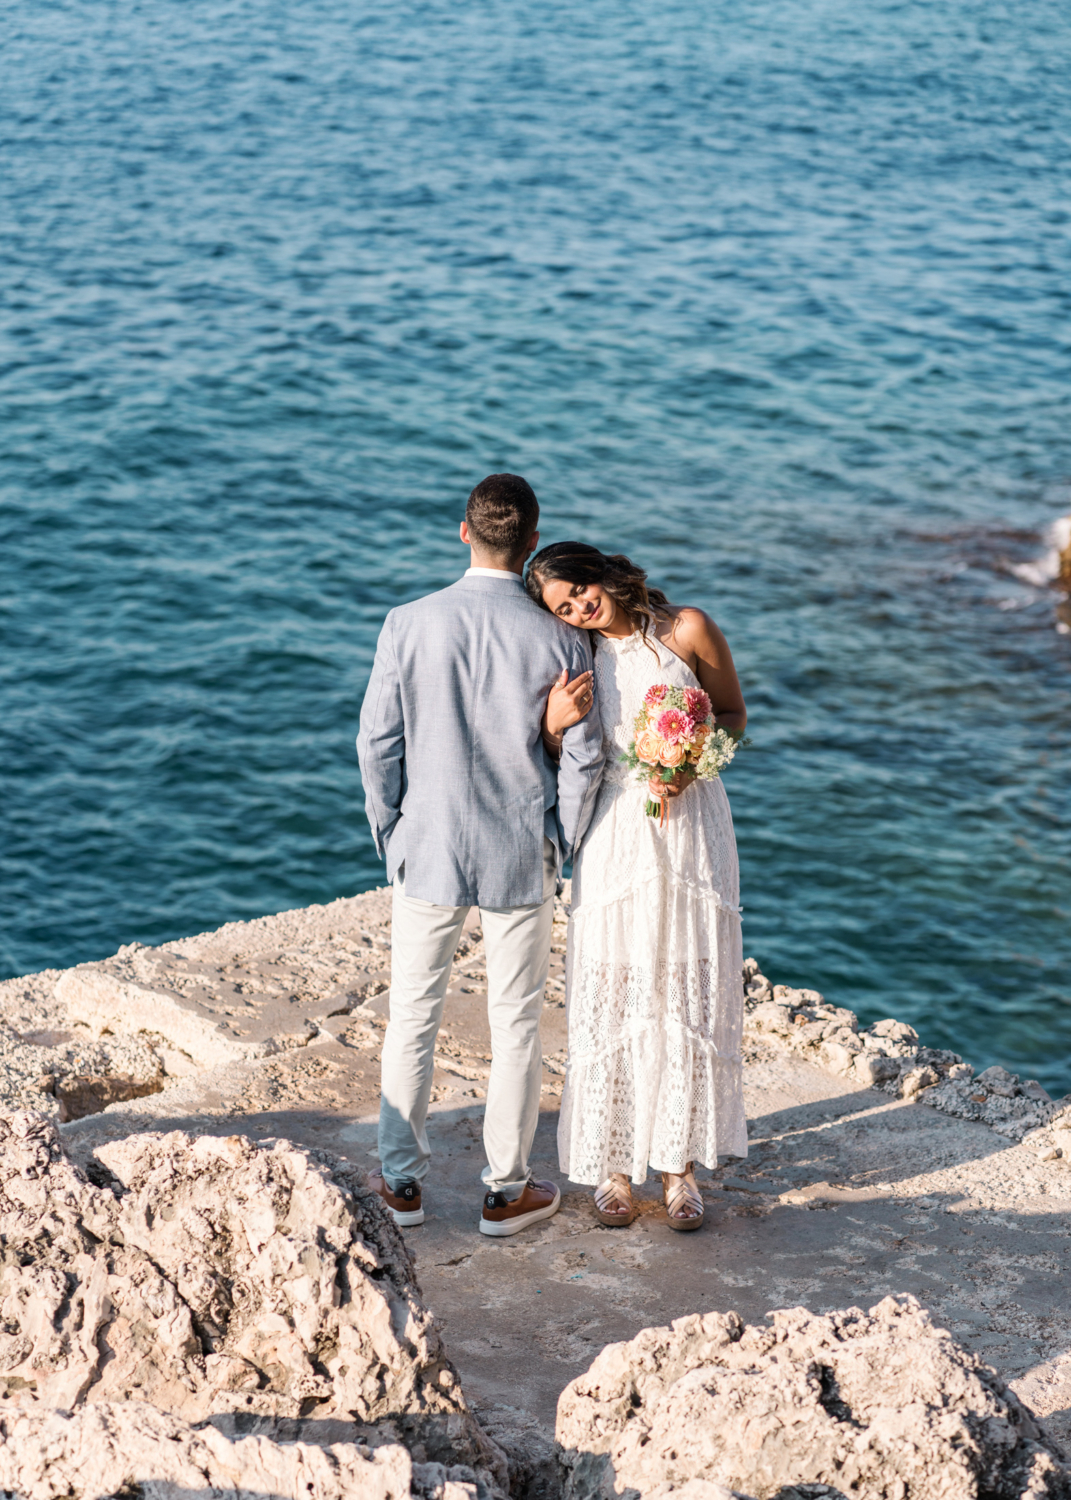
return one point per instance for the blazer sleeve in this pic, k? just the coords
(381, 742)
(581, 765)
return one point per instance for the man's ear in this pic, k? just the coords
(533, 544)
(465, 534)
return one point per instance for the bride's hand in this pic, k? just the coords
(669, 789)
(567, 703)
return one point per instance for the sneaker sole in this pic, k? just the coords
(407, 1218)
(499, 1228)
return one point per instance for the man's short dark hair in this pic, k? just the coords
(502, 514)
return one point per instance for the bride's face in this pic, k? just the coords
(585, 605)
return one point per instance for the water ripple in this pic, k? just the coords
(775, 300)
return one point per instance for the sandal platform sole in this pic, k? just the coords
(684, 1225)
(615, 1221)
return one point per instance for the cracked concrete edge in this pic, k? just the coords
(280, 930)
(107, 1004)
(887, 1055)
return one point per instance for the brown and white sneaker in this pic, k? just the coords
(403, 1201)
(501, 1215)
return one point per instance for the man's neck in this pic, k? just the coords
(480, 560)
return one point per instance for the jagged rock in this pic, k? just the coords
(214, 1276)
(874, 1404)
(876, 1070)
(889, 1056)
(1016, 1117)
(918, 1079)
(534, 1470)
(900, 1039)
(134, 1449)
(1000, 1082)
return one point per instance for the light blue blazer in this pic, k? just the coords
(458, 784)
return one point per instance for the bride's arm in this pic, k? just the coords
(698, 640)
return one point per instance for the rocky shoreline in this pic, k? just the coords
(889, 1056)
(200, 1295)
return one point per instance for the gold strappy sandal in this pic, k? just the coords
(609, 1196)
(684, 1204)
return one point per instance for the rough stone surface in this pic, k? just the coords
(216, 1277)
(133, 1449)
(874, 1404)
(51, 1064)
(261, 1009)
(1052, 1141)
(535, 1469)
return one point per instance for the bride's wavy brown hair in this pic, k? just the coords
(576, 562)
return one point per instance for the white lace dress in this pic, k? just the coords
(654, 987)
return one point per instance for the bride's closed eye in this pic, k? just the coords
(575, 592)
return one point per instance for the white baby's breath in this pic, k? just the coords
(717, 753)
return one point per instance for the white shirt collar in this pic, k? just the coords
(494, 573)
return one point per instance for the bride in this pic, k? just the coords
(655, 994)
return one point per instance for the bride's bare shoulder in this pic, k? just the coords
(685, 622)
(692, 630)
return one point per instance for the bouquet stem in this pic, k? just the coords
(655, 807)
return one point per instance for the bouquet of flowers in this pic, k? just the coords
(675, 729)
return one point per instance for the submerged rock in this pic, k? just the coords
(224, 1279)
(871, 1404)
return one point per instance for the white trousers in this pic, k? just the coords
(424, 939)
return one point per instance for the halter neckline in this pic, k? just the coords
(628, 642)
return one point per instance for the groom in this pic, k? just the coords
(471, 810)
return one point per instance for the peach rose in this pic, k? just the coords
(647, 746)
(701, 735)
(672, 755)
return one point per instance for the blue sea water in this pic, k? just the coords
(773, 297)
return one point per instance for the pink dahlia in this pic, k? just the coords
(655, 694)
(673, 726)
(697, 702)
